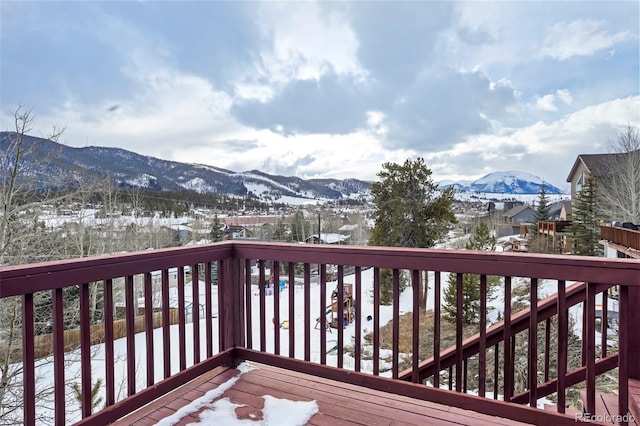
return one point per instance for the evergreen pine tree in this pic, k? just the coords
(96, 400)
(216, 230)
(480, 240)
(542, 214)
(410, 211)
(543, 211)
(585, 226)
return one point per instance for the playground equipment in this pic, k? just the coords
(348, 309)
(331, 311)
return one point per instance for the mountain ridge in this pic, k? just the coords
(128, 169)
(508, 182)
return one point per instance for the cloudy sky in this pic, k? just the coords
(329, 89)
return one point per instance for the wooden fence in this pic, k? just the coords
(43, 344)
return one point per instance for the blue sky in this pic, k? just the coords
(329, 89)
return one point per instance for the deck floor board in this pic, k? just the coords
(338, 403)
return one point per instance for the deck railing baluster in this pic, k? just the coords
(395, 356)
(208, 308)
(148, 322)
(376, 321)
(415, 332)
(341, 314)
(590, 326)
(292, 315)
(166, 326)
(584, 330)
(109, 355)
(563, 343)
(459, 318)
(323, 316)
(533, 345)
(195, 311)
(130, 326)
(275, 285)
(307, 311)
(465, 374)
(262, 297)
(506, 339)
(58, 356)
(248, 291)
(436, 328)
(28, 361)
(182, 320)
(624, 331)
(482, 359)
(358, 319)
(547, 348)
(85, 350)
(512, 367)
(604, 320)
(496, 357)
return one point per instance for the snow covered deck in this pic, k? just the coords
(256, 393)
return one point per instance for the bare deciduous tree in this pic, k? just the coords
(619, 185)
(22, 240)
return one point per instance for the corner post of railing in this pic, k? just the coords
(633, 325)
(233, 302)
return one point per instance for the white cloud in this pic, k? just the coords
(545, 149)
(548, 102)
(564, 96)
(375, 121)
(304, 43)
(580, 38)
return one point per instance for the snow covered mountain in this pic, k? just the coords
(508, 182)
(69, 167)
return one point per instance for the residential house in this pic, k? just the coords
(619, 241)
(565, 212)
(355, 232)
(595, 165)
(328, 239)
(233, 232)
(555, 209)
(520, 214)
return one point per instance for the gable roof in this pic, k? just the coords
(329, 238)
(517, 210)
(554, 208)
(596, 164)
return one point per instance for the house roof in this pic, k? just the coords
(556, 207)
(329, 238)
(516, 210)
(567, 206)
(596, 164)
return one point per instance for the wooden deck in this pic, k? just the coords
(338, 403)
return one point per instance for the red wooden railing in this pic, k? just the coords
(625, 238)
(247, 322)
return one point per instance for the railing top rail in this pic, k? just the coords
(562, 267)
(23, 279)
(618, 228)
(28, 278)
